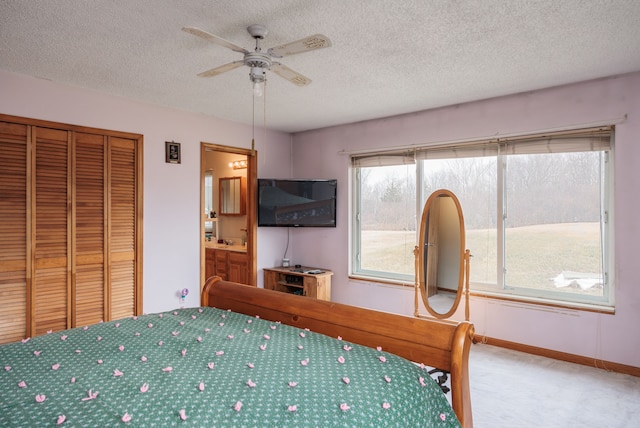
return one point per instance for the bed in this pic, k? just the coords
(246, 357)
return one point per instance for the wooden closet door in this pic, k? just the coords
(89, 285)
(125, 292)
(51, 241)
(70, 226)
(14, 228)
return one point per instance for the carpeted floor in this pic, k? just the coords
(515, 389)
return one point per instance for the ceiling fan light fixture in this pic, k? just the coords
(258, 89)
(258, 77)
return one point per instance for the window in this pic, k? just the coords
(208, 193)
(387, 222)
(536, 213)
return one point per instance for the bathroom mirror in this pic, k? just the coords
(232, 196)
(441, 258)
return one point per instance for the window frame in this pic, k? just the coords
(501, 148)
(356, 237)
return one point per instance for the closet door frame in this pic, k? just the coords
(30, 262)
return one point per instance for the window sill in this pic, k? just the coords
(589, 307)
(378, 280)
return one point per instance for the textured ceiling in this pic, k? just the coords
(388, 57)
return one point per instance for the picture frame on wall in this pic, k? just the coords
(172, 152)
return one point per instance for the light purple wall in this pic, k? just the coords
(171, 248)
(172, 199)
(316, 154)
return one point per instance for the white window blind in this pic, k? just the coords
(383, 159)
(592, 139)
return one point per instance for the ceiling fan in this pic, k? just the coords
(260, 61)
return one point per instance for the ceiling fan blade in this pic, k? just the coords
(221, 69)
(287, 73)
(310, 43)
(214, 39)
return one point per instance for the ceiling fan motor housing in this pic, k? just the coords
(257, 59)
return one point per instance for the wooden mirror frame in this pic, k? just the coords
(420, 265)
(235, 184)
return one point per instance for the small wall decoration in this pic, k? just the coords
(172, 152)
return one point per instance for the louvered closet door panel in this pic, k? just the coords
(122, 208)
(51, 281)
(13, 232)
(89, 237)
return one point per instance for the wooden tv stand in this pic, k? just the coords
(304, 281)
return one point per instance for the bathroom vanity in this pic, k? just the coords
(230, 262)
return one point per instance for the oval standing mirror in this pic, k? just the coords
(440, 255)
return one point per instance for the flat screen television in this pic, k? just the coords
(296, 203)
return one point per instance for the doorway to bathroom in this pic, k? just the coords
(228, 177)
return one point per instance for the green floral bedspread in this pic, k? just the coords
(205, 367)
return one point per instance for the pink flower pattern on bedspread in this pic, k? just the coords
(209, 367)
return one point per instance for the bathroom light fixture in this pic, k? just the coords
(239, 164)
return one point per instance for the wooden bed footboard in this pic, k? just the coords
(441, 344)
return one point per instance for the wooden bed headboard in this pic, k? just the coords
(441, 344)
